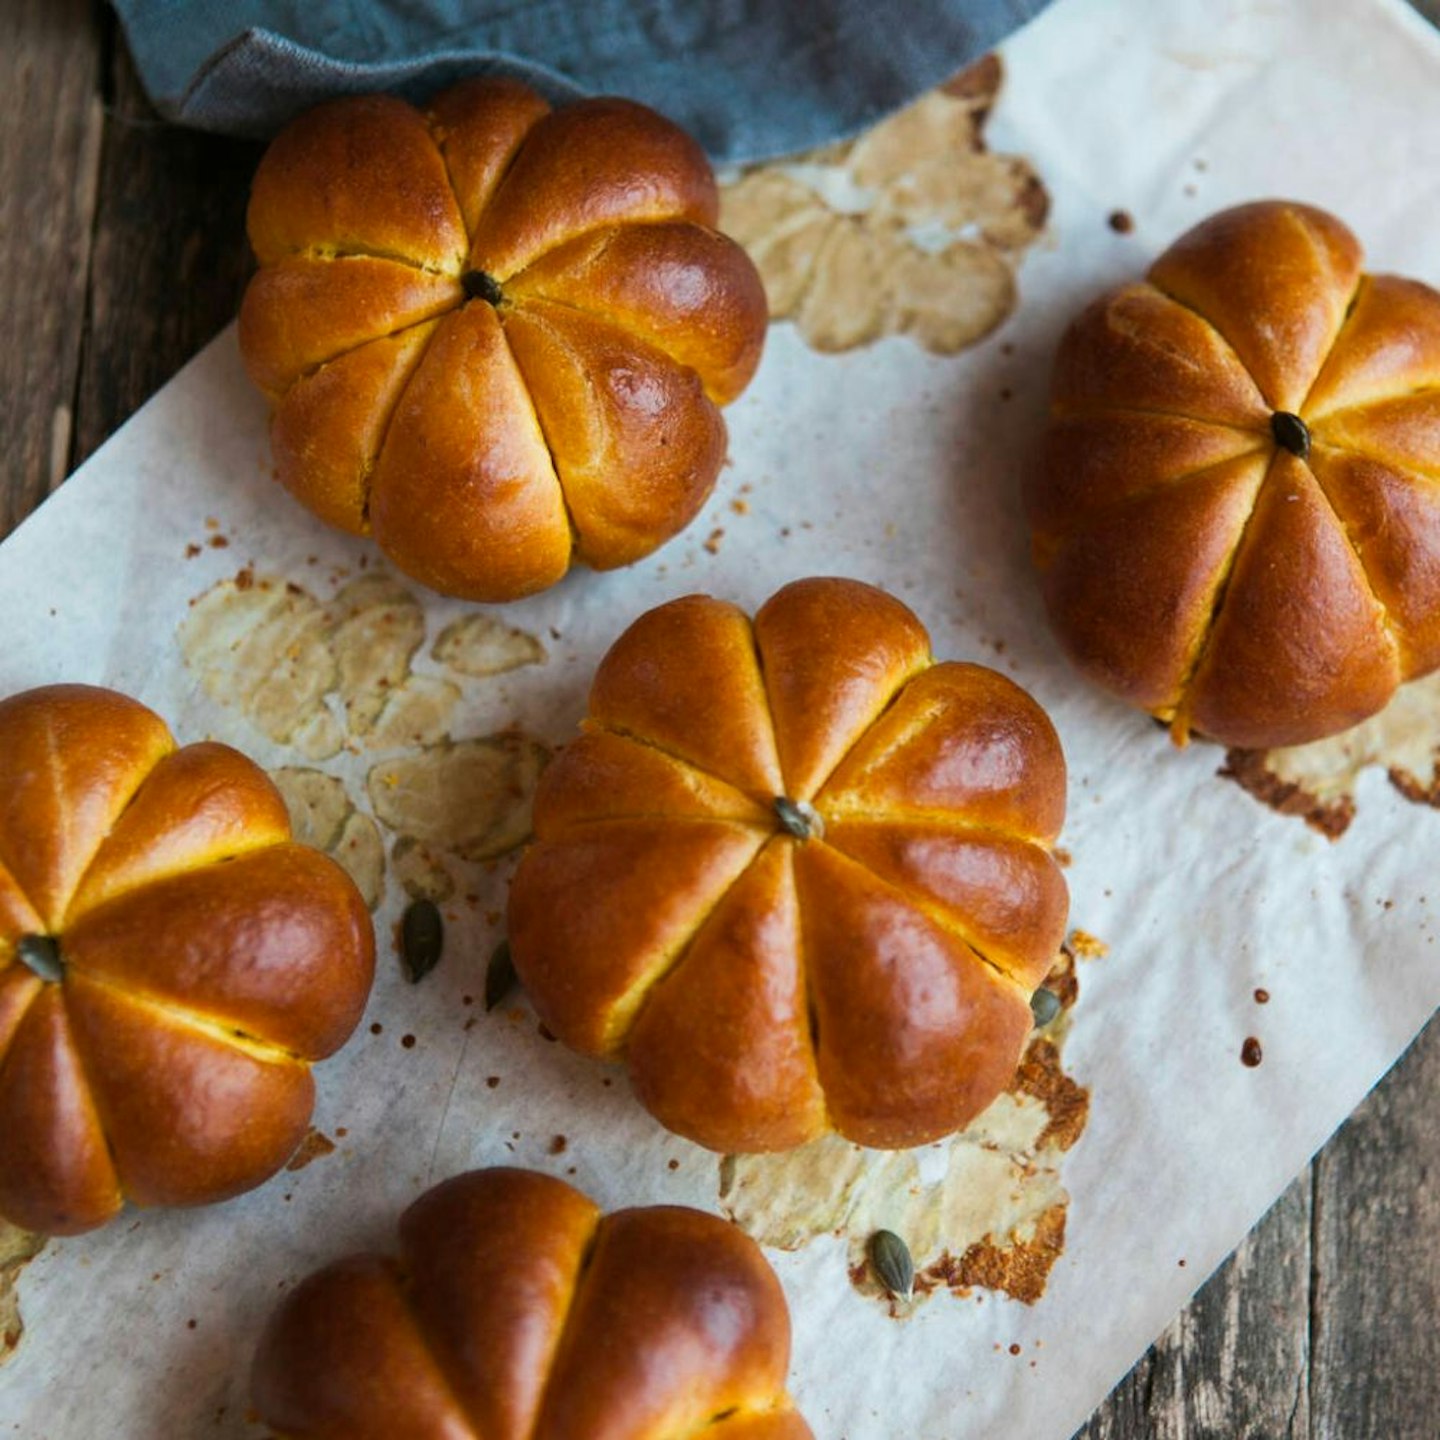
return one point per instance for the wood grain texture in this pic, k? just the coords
(1235, 1364)
(50, 127)
(169, 258)
(1375, 1259)
(1322, 1325)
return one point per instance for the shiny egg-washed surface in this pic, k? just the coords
(496, 336)
(1237, 514)
(517, 1311)
(170, 964)
(796, 872)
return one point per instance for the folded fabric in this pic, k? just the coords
(749, 78)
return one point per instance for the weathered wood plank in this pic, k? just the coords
(50, 128)
(170, 258)
(1234, 1365)
(1376, 1344)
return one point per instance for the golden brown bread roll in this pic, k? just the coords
(496, 337)
(516, 1311)
(170, 964)
(796, 873)
(1236, 517)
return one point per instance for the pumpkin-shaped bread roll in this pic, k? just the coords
(1237, 514)
(171, 962)
(496, 336)
(515, 1310)
(796, 873)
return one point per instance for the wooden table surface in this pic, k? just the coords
(122, 252)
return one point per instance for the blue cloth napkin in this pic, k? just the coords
(749, 78)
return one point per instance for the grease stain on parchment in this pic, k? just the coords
(482, 645)
(420, 870)
(323, 815)
(470, 796)
(982, 1209)
(324, 677)
(263, 649)
(915, 228)
(273, 651)
(1316, 782)
(17, 1249)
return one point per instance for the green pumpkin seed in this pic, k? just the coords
(1044, 1006)
(1291, 433)
(422, 938)
(42, 954)
(500, 977)
(890, 1259)
(799, 817)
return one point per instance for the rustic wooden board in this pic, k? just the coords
(50, 128)
(1375, 1368)
(169, 259)
(122, 251)
(1322, 1325)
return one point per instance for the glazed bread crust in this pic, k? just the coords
(199, 959)
(1263, 581)
(496, 337)
(870, 975)
(516, 1311)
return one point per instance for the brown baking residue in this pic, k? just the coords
(1122, 222)
(1062, 981)
(915, 228)
(559, 1145)
(1262, 997)
(1087, 946)
(314, 1146)
(17, 1249)
(1067, 1103)
(1019, 1270)
(1316, 783)
(1251, 1053)
(981, 1210)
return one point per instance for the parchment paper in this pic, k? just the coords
(901, 468)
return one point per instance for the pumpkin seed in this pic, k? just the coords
(799, 817)
(1044, 1006)
(500, 977)
(477, 285)
(1291, 433)
(42, 954)
(422, 938)
(890, 1259)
